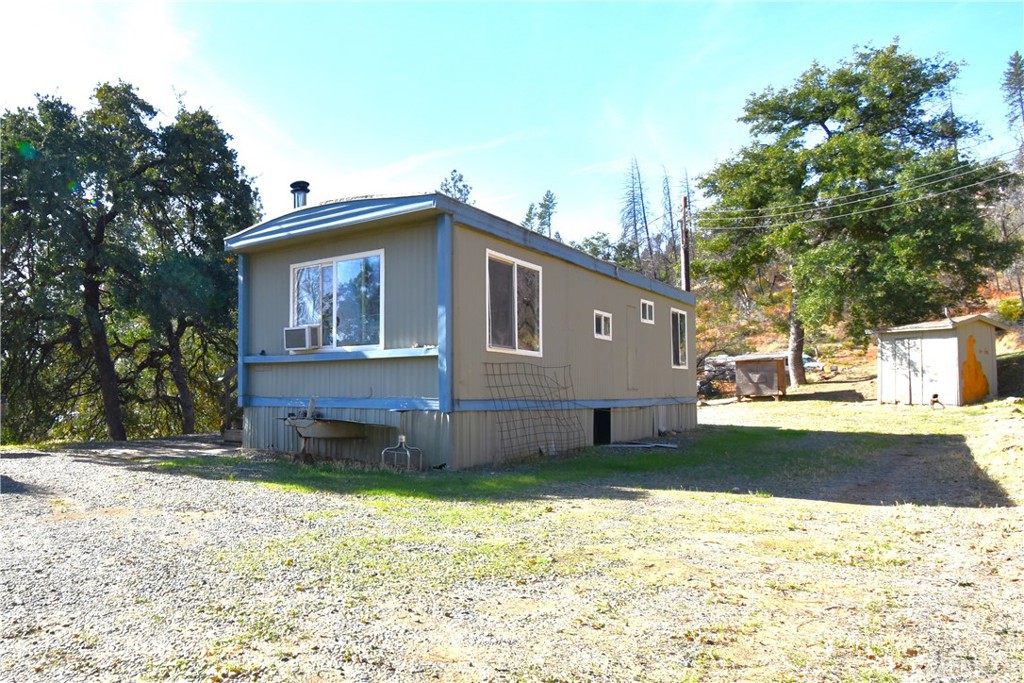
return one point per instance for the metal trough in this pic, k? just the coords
(326, 428)
(312, 426)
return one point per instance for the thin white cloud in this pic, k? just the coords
(418, 161)
(66, 49)
(618, 166)
(331, 176)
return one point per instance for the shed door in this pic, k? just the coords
(940, 378)
(908, 371)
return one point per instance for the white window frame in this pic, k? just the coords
(605, 320)
(646, 305)
(516, 263)
(673, 329)
(327, 339)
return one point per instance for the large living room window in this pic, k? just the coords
(513, 305)
(344, 295)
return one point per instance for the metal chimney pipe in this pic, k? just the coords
(300, 188)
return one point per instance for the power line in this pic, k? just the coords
(864, 211)
(827, 204)
(881, 191)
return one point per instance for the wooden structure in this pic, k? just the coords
(951, 361)
(491, 341)
(761, 374)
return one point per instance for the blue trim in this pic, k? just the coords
(381, 403)
(478, 406)
(445, 312)
(370, 354)
(497, 406)
(243, 328)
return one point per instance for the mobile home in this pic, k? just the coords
(481, 341)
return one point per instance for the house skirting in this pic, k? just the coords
(472, 438)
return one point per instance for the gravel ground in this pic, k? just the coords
(114, 569)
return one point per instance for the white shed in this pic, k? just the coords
(952, 360)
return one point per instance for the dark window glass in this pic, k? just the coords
(502, 321)
(678, 339)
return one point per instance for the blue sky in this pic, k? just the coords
(388, 98)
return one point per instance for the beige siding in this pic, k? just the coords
(636, 364)
(410, 283)
(365, 378)
(642, 423)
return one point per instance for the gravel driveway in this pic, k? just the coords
(115, 569)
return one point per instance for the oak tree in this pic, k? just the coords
(853, 201)
(112, 248)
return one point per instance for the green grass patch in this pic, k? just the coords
(430, 558)
(718, 457)
(200, 464)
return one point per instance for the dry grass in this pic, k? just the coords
(813, 539)
(819, 538)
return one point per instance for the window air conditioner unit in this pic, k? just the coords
(302, 338)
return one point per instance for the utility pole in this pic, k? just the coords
(684, 256)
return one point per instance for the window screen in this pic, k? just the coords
(513, 290)
(678, 339)
(342, 296)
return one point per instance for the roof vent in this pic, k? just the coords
(300, 188)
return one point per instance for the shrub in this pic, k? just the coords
(1010, 309)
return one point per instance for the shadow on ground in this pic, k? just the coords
(860, 468)
(839, 395)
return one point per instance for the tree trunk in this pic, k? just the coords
(1020, 289)
(104, 362)
(796, 347)
(177, 368)
(229, 402)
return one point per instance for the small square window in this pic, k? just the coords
(647, 311)
(602, 325)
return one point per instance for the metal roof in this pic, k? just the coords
(781, 355)
(943, 324)
(329, 217)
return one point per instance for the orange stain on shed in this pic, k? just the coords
(974, 383)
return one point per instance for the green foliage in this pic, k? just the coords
(1010, 309)
(853, 193)
(1013, 93)
(600, 246)
(530, 219)
(456, 187)
(114, 279)
(545, 212)
(538, 216)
